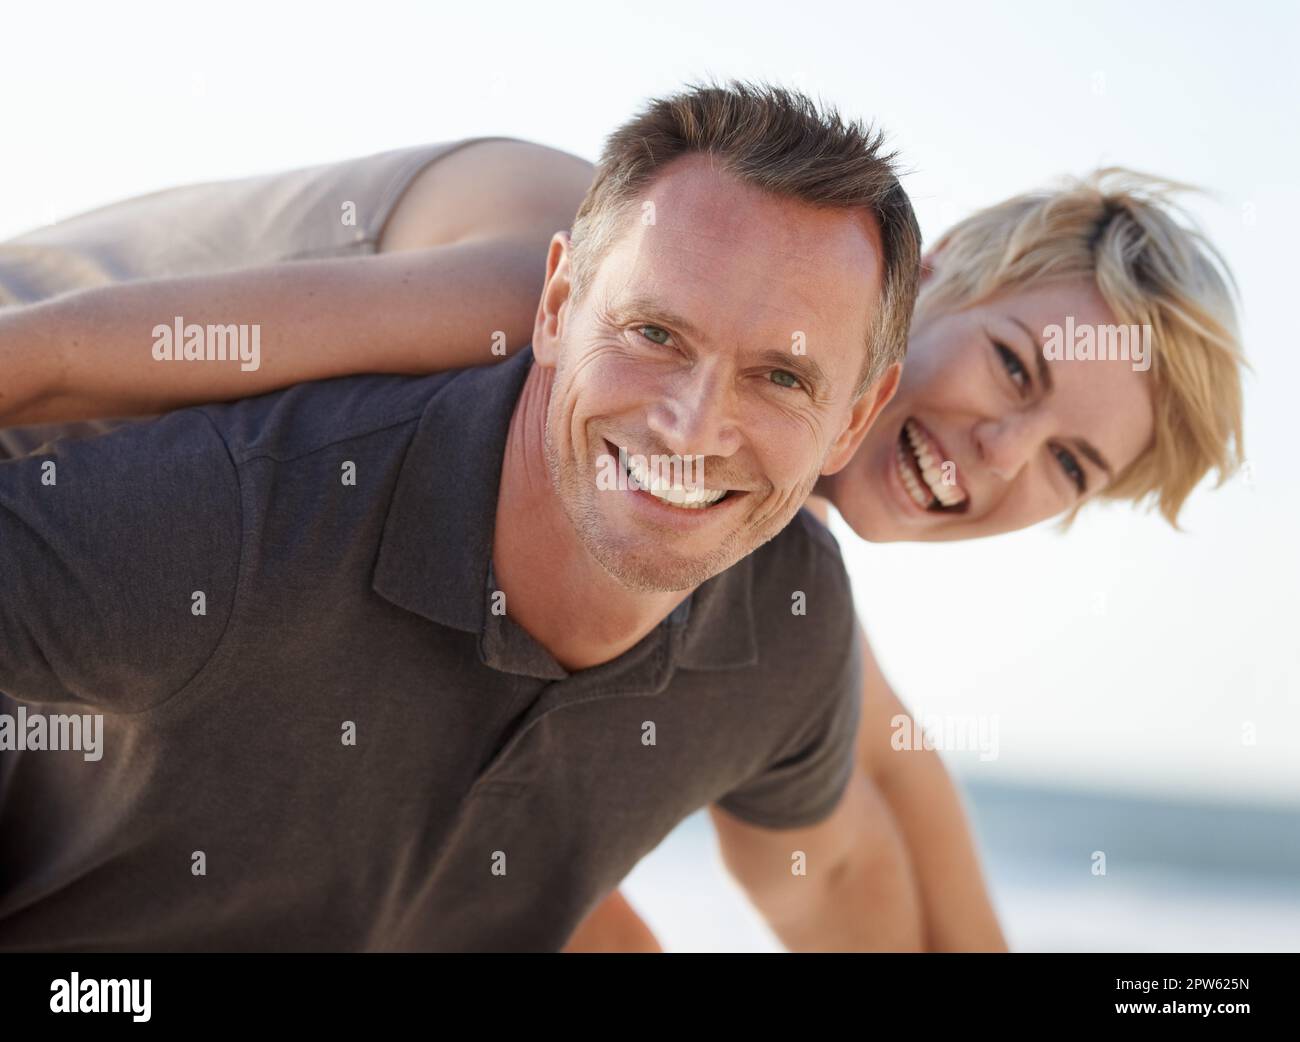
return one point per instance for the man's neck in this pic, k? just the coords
(554, 588)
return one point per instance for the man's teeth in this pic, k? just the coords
(929, 462)
(676, 494)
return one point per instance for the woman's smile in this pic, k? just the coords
(926, 472)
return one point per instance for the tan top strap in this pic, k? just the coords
(329, 210)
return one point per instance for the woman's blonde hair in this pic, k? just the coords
(1152, 265)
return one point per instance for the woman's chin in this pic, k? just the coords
(874, 511)
(874, 529)
(866, 518)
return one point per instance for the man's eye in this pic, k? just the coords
(655, 334)
(1071, 467)
(780, 376)
(1011, 362)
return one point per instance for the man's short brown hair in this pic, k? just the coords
(777, 140)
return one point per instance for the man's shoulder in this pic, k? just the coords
(800, 589)
(306, 418)
(805, 547)
(805, 526)
(120, 553)
(803, 688)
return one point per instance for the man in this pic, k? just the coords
(387, 664)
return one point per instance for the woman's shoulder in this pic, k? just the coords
(486, 186)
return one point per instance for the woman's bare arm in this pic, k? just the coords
(926, 808)
(927, 845)
(89, 354)
(460, 268)
(613, 926)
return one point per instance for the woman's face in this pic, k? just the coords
(1008, 437)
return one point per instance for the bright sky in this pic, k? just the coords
(1120, 655)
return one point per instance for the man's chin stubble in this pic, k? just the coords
(644, 570)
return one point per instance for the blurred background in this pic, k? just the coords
(1145, 684)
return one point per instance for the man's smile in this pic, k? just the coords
(678, 488)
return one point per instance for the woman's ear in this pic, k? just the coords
(928, 263)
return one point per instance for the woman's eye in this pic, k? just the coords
(655, 334)
(1071, 467)
(781, 376)
(1011, 362)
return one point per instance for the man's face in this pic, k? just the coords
(725, 327)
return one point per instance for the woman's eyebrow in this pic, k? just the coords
(1040, 359)
(1088, 450)
(1045, 378)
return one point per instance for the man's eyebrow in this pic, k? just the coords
(641, 305)
(1040, 359)
(803, 366)
(1088, 450)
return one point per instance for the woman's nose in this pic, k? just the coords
(1005, 444)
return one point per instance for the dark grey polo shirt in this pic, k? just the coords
(489, 798)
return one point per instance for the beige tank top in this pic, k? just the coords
(330, 210)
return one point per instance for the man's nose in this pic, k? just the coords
(697, 414)
(1006, 443)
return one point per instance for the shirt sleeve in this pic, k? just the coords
(805, 782)
(118, 560)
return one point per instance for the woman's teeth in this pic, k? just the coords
(667, 492)
(935, 491)
(910, 483)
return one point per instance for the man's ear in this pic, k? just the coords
(548, 326)
(861, 417)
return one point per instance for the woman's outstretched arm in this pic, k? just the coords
(460, 267)
(90, 354)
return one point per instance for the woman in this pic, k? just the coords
(432, 258)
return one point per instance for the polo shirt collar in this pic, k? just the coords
(436, 548)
